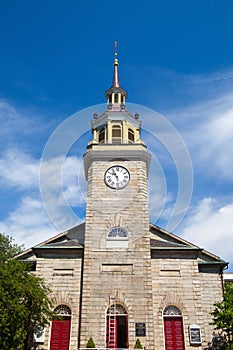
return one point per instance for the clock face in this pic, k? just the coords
(116, 177)
(117, 232)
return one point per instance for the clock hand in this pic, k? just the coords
(113, 173)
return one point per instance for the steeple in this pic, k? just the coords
(116, 95)
(116, 129)
(116, 79)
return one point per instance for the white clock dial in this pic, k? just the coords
(116, 177)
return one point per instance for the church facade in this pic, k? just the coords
(116, 277)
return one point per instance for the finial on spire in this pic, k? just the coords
(116, 96)
(116, 80)
(115, 47)
(115, 52)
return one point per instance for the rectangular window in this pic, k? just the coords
(116, 99)
(116, 134)
(63, 272)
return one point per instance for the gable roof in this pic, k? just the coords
(162, 242)
(69, 239)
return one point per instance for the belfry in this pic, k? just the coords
(116, 277)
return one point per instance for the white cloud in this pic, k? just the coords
(17, 123)
(18, 169)
(29, 223)
(218, 142)
(8, 117)
(208, 133)
(60, 190)
(210, 227)
(74, 183)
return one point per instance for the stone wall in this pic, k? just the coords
(178, 282)
(64, 278)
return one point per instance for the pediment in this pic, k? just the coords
(67, 240)
(165, 241)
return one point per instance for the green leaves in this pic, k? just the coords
(90, 344)
(223, 312)
(138, 344)
(8, 249)
(25, 305)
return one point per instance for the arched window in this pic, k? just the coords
(63, 310)
(130, 135)
(116, 134)
(116, 309)
(173, 328)
(117, 233)
(102, 135)
(117, 327)
(110, 98)
(117, 237)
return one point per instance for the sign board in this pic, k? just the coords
(195, 334)
(39, 336)
(140, 329)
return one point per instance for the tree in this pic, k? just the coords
(25, 305)
(223, 314)
(90, 344)
(138, 344)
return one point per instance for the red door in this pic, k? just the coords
(60, 334)
(173, 331)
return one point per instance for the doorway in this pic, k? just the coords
(60, 331)
(117, 327)
(173, 328)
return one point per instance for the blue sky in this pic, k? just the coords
(175, 59)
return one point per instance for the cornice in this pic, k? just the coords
(128, 152)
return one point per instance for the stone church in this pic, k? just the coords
(116, 277)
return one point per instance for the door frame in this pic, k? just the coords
(173, 312)
(64, 312)
(117, 310)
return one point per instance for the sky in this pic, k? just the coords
(175, 61)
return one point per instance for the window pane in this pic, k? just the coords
(116, 134)
(131, 135)
(102, 136)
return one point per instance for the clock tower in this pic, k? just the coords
(117, 285)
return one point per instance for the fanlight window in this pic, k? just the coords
(116, 134)
(171, 310)
(117, 233)
(130, 135)
(63, 310)
(116, 309)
